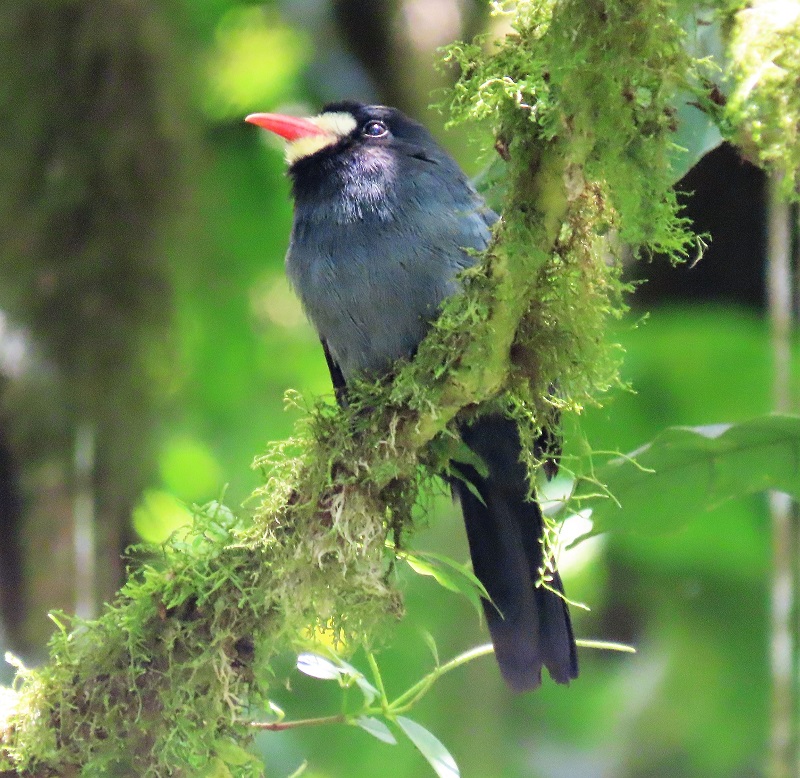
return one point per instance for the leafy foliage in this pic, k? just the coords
(429, 746)
(665, 484)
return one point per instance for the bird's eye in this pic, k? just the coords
(375, 129)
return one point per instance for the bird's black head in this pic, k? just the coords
(355, 154)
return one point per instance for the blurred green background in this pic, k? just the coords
(147, 338)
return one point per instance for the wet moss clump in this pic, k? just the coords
(762, 114)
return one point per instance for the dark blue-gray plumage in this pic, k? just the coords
(384, 220)
(379, 235)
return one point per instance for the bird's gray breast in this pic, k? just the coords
(372, 285)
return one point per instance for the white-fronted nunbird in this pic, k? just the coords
(384, 220)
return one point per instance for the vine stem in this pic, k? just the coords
(782, 601)
(405, 701)
(280, 726)
(413, 694)
(376, 674)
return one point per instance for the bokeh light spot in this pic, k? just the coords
(256, 63)
(189, 470)
(158, 515)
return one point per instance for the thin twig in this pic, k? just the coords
(280, 726)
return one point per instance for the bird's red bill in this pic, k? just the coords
(288, 127)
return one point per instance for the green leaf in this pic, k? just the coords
(336, 669)
(367, 689)
(430, 747)
(453, 471)
(318, 666)
(696, 113)
(216, 768)
(376, 728)
(300, 770)
(351, 673)
(449, 449)
(697, 135)
(233, 754)
(449, 574)
(431, 643)
(695, 469)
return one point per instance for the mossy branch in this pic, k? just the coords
(577, 96)
(762, 115)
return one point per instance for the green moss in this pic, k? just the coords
(581, 102)
(764, 106)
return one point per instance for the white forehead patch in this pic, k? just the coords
(335, 125)
(339, 122)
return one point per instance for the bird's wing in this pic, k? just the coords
(488, 215)
(339, 384)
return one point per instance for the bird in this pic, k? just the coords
(384, 222)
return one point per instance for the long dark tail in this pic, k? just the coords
(530, 626)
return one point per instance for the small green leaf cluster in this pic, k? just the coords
(376, 711)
